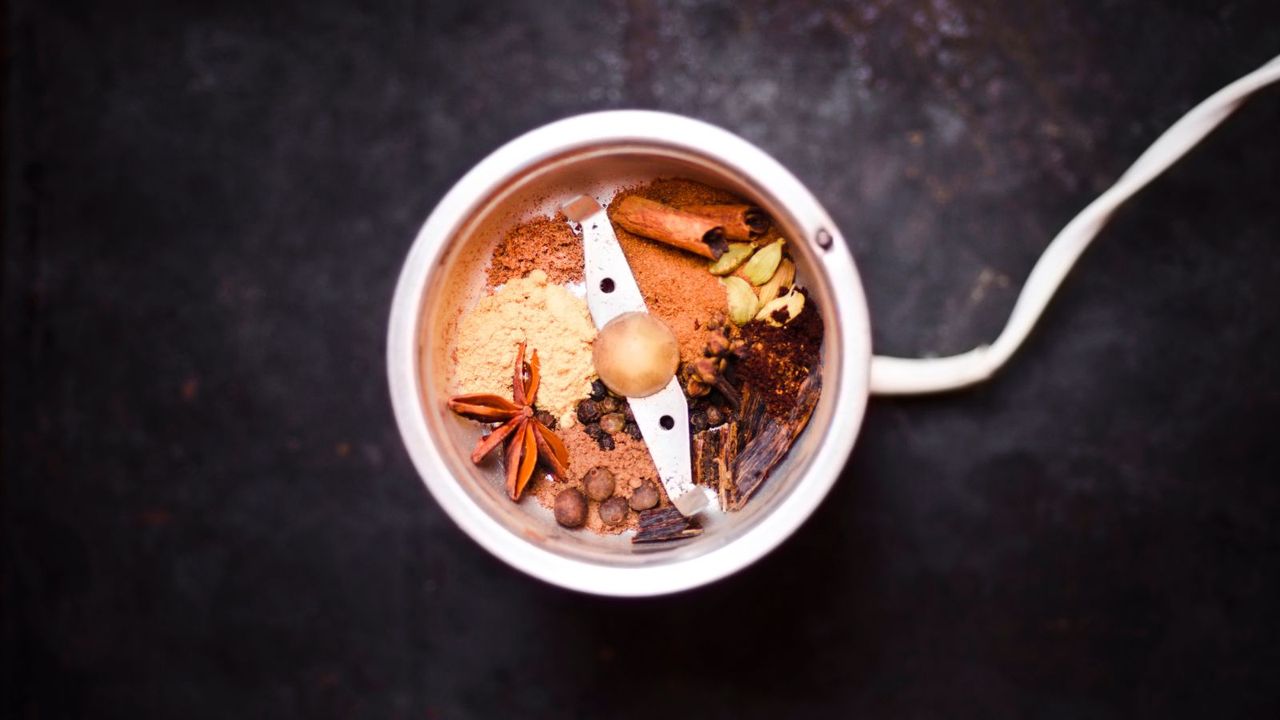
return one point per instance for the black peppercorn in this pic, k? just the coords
(698, 421)
(605, 441)
(633, 430)
(547, 419)
(588, 412)
(607, 405)
(598, 390)
(715, 416)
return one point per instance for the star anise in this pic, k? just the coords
(527, 439)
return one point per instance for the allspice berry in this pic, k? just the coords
(613, 511)
(571, 508)
(643, 498)
(599, 483)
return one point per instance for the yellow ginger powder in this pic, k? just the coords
(551, 320)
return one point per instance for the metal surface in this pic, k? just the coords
(610, 149)
(612, 291)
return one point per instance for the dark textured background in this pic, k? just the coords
(207, 511)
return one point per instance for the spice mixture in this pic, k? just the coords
(676, 285)
(776, 360)
(550, 319)
(629, 460)
(717, 273)
(546, 243)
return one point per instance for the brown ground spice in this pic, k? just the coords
(679, 290)
(675, 284)
(545, 243)
(778, 359)
(629, 461)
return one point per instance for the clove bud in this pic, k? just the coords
(717, 344)
(706, 370)
(695, 388)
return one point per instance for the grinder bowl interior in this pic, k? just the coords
(457, 280)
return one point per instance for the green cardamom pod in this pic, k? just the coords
(781, 280)
(782, 310)
(764, 263)
(742, 300)
(732, 258)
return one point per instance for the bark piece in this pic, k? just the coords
(662, 524)
(765, 442)
(714, 453)
(740, 222)
(680, 229)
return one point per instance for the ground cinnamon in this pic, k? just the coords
(676, 285)
(629, 461)
(544, 243)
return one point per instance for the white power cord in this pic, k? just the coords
(913, 376)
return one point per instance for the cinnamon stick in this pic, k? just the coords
(680, 229)
(742, 223)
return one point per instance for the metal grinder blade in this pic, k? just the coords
(663, 417)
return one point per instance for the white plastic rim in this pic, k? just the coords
(849, 388)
